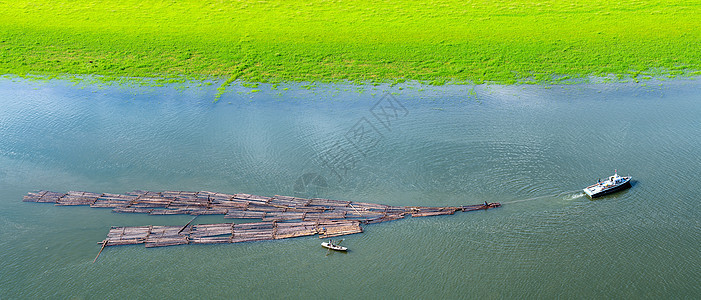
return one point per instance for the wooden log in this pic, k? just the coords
(168, 211)
(236, 203)
(264, 208)
(113, 200)
(217, 196)
(333, 215)
(244, 215)
(295, 224)
(355, 209)
(295, 233)
(257, 198)
(179, 203)
(328, 203)
(132, 210)
(286, 201)
(302, 209)
(140, 232)
(479, 206)
(253, 233)
(210, 211)
(140, 193)
(256, 225)
(340, 228)
(433, 213)
(372, 214)
(151, 202)
(369, 206)
(123, 242)
(104, 243)
(205, 230)
(49, 197)
(34, 197)
(396, 210)
(261, 200)
(170, 194)
(127, 235)
(163, 242)
(148, 205)
(103, 204)
(283, 216)
(77, 198)
(210, 240)
(385, 218)
(165, 236)
(188, 224)
(324, 216)
(430, 211)
(237, 239)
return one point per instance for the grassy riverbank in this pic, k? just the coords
(460, 41)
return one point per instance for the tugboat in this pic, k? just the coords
(613, 184)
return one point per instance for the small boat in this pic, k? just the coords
(612, 184)
(331, 246)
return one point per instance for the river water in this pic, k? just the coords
(531, 148)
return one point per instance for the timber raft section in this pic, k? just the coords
(280, 217)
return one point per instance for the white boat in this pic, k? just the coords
(332, 246)
(612, 184)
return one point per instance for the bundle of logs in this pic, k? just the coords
(279, 217)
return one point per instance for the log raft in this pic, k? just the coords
(279, 217)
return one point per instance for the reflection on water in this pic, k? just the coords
(530, 147)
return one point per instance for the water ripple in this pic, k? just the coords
(530, 147)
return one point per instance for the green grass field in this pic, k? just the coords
(358, 41)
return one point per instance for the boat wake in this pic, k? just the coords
(573, 196)
(569, 195)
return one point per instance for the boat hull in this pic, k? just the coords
(333, 247)
(611, 190)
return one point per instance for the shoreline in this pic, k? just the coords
(292, 92)
(218, 83)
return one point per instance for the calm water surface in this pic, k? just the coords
(530, 147)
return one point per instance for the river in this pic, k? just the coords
(532, 148)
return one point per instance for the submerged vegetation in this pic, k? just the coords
(357, 41)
